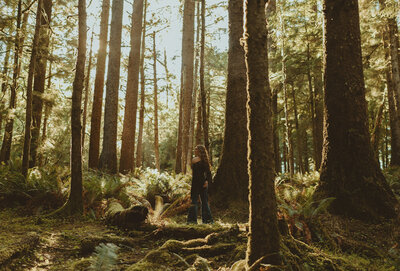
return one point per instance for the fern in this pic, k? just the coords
(104, 258)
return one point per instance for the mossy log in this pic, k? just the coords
(89, 244)
(179, 206)
(23, 246)
(130, 218)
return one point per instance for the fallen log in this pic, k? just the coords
(130, 218)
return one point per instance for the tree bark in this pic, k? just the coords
(87, 94)
(231, 180)
(5, 151)
(29, 89)
(195, 86)
(139, 150)
(156, 144)
(393, 113)
(40, 77)
(275, 115)
(4, 84)
(74, 205)
(263, 242)
(187, 74)
(299, 135)
(375, 137)
(108, 157)
(349, 171)
(178, 155)
(204, 112)
(127, 161)
(95, 122)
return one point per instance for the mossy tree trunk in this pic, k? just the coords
(40, 78)
(75, 202)
(108, 157)
(393, 115)
(29, 91)
(20, 31)
(263, 240)
(231, 180)
(349, 172)
(95, 121)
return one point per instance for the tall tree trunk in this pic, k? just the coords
(375, 137)
(288, 130)
(263, 242)
(127, 161)
(95, 122)
(299, 134)
(40, 77)
(4, 84)
(74, 205)
(5, 151)
(47, 109)
(187, 74)
(87, 94)
(275, 115)
(179, 141)
(29, 89)
(156, 144)
(393, 110)
(195, 86)
(139, 149)
(349, 171)
(231, 180)
(108, 157)
(167, 76)
(204, 112)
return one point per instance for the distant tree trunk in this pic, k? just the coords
(375, 137)
(195, 86)
(156, 144)
(275, 116)
(47, 109)
(263, 241)
(288, 129)
(199, 130)
(139, 150)
(74, 205)
(40, 77)
(204, 112)
(95, 122)
(178, 156)
(87, 94)
(4, 84)
(299, 134)
(167, 76)
(5, 151)
(108, 157)
(127, 160)
(349, 171)
(393, 113)
(187, 73)
(231, 180)
(29, 90)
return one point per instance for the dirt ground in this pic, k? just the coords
(35, 243)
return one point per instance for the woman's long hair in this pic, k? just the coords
(203, 154)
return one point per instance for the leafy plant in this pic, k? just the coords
(104, 258)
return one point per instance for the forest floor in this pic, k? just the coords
(332, 243)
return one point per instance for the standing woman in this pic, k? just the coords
(201, 176)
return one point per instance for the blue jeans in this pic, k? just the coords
(205, 208)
